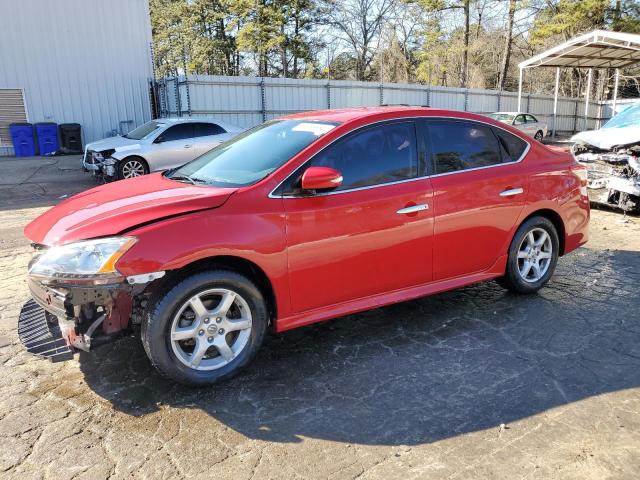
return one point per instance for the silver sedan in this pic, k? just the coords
(522, 121)
(157, 145)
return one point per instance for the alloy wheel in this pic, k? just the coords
(534, 255)
(132, 168)
(211, 329)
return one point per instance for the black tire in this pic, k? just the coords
(513, 280)
(156, 326)
(539, 135)
(126, 164)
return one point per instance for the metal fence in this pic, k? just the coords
(248, 101)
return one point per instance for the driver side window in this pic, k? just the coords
(519, 120)
(373, 156)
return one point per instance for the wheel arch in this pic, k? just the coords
(134, 155)
(235, 264)
(555, 218)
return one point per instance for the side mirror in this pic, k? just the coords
(159, 139)
(321, 178)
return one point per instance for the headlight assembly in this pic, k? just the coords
(89, 262)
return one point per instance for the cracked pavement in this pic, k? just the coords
(474, 383)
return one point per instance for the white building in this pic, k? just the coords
(75, 61)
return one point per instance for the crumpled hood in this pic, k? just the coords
(112, 143)
(607, 138)
(114, 207)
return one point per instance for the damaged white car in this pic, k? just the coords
(612, 158)
(155, 146)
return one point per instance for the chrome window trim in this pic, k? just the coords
(324, 194)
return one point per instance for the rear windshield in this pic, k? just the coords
(253, 154)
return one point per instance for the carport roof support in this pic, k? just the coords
(597, 49)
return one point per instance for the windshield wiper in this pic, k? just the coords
(191, 180)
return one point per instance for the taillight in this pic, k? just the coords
(581, 172)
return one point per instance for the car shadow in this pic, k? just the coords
(419, 371)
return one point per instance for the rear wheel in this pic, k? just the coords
(533, 256)
(132, 167)
(539, 135)
(206, 328)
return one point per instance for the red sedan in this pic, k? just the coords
(298, 220)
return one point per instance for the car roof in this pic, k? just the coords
(343, 115)
(177, 120)
(347, 115)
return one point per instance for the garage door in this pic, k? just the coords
(11, 111)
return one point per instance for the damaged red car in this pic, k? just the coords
(298, 220)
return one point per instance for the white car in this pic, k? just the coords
(522, 121)
(157, 145)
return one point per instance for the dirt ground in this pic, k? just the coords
(475, 383)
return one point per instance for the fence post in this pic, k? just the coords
(381, 93)
(528, 103)
(575, 115)
(177, 94)
(328, 95)
(499, 100)
(466, 99)
(428, 104)
(263, 100)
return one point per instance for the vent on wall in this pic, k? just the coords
(12, 110)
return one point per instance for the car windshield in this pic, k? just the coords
(143, 131)
(253, 154)
(629, 117)
(502, 117)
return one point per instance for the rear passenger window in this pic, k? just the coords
(459, 145)
(375, 155)
(206, 129)
(513, 147)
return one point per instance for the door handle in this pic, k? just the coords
(187, 146)
(511, 192)
(413, 209)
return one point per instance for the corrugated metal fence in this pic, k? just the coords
(248, 101)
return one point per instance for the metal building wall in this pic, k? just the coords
(79, 61)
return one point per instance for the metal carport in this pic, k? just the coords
(596, 49)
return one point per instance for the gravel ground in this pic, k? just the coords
(476, 383)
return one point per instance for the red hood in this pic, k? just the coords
(115, 207)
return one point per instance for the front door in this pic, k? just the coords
(174, 147)
(480, 189)
(371, 235)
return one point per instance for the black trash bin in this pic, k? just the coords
(70, 138)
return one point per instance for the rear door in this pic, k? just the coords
(370, 236)
(208, 135)
(479, 191)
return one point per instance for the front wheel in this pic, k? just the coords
(206, 329)
(533, 256)
(132, 167)
(539, 135)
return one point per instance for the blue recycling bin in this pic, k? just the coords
(47, 135)
(24, 144)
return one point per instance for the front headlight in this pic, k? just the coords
(90, 261)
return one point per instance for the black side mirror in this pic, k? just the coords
(160, 139)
